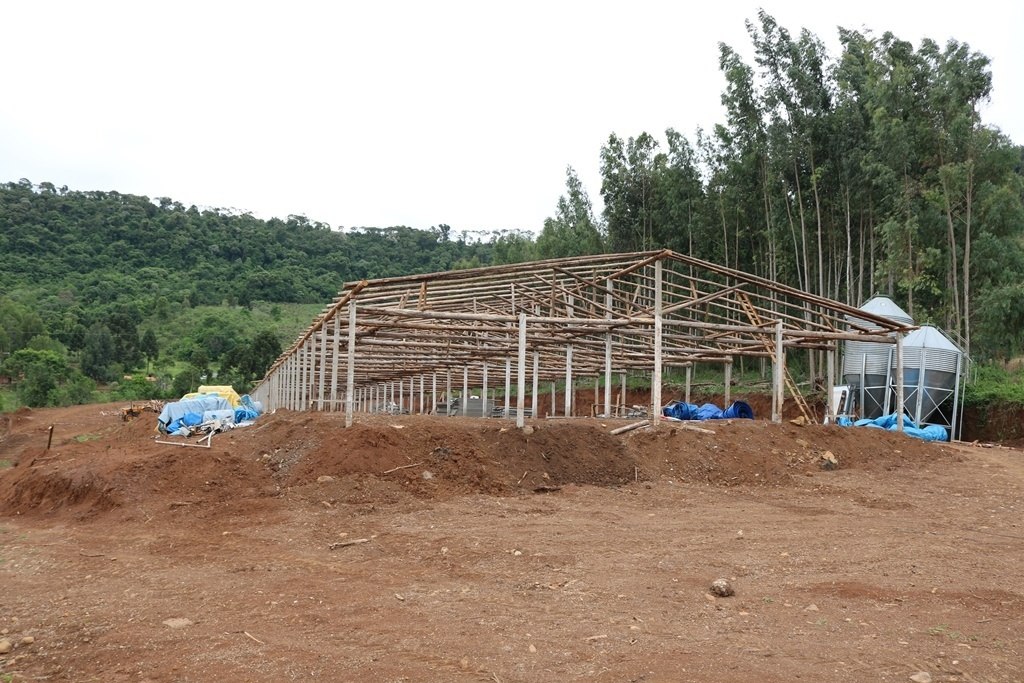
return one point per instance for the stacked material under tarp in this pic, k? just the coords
(931, 369)
(224, 391)
(678, 410)
(190, 412)
(866, 364)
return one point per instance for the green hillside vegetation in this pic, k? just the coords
(868, 172)
(116, 284)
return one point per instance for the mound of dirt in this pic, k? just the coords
(758, 452)
(385, 458)
(29, 489)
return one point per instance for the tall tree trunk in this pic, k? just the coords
(689, 225)
(954, 278)
(849, 251)
(725, 229)
(910, 246)
(969, 202)
(796, 245)
(803, 226)
(817, 215)
(860, 265)
(689, 229)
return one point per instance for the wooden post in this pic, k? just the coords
(350, 375)
(625, 388)
(778, 385)
(568, 367)
(536, 382)
(689, 379)
(568, 382)
(422, 405)
(297, 379)
(307, 403)
(658, 324)
(300, 374)
(954, 435)
(899, 382)
(465, 391)
(293, 392)
(433, 392)
(401, 396)
(289, 386)
(335, 350)
(323, 368)
(483, 395)
(918, 404)
(521, 386)
(448, 392)
(276, 391)
(508, 384)
(830, 383)
(728, 383)
(554, 401)
(608, 303)
(308, 376)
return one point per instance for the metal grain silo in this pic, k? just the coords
(866, 364)
(931, 372)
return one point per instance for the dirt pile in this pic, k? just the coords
(121, 465)
(762, 453)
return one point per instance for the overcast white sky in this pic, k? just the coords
(397, 113)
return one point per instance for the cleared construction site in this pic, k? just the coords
(339, 534)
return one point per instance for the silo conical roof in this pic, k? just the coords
(930, 337)
(886, 307)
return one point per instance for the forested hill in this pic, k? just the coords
(92, 249)
(94, 285)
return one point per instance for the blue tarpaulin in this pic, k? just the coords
(888, 423)
(709, 411)
(172, 418)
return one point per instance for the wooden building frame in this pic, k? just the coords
(393, 341)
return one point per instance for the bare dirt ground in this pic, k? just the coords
(496, 555)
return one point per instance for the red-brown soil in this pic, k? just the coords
(492, 554)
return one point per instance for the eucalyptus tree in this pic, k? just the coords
(573, 229)
(627, 188)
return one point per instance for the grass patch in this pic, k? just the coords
(82, 438)
(992, 384)
(4, 463)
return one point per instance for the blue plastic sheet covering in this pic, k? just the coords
(709, 411)
(888, 423)
(249, 410)
(171, 418)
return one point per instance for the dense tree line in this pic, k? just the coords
(94, 273)
(870, 172)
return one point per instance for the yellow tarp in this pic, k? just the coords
(226, 392)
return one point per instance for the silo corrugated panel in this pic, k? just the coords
(928, 351)
(871, 358)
